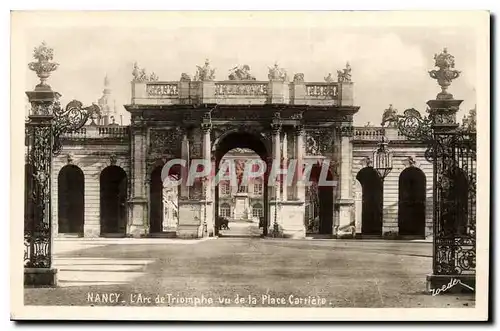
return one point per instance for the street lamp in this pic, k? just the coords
(382, 159)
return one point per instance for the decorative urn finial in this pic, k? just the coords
(43, 67)
(446, 73)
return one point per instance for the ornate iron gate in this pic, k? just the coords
(451, 149)
(46, 122)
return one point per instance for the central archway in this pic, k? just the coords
(240, 140)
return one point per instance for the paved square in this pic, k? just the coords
(263, 272)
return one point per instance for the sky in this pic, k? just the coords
(389, 64)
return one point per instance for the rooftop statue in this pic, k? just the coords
(298, 78)
(329, 78)
(389, 116)
(241, 73)
(277, 74)
(154, 77)
(344, 75)
(205, 73)
(185, 77)
(139, 74)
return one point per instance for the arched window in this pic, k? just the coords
(257, 210)
(225, 210)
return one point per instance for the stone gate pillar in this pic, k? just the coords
(345, 201)
(138, 222)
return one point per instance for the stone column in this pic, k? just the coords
(208, 221)
(274, 217)
(276, 129)
(299, 192)
(138, 213)
(345, 201)
(284, 165)
(185, 168)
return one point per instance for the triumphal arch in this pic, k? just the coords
(281, 118)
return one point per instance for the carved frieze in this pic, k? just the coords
(70, 158)
(323, 90)
(366, 162)
(410, 161)
(112, 159)
(195, 143)
(162, 90)
(166, 141)
(347, 131)
(250, 89)
(319, 141)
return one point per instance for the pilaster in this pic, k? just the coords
(138, 212)
(345, 201)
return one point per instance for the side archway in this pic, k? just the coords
(371, 201)
(411, 202)
(163, 207)
(319, 203)
(113, 199)
(71, 200)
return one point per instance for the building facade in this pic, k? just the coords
(107, 180)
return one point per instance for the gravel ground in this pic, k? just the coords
(246, 272)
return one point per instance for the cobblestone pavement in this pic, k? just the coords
(262, 272)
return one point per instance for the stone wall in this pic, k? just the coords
(91, 159)
(401, 155)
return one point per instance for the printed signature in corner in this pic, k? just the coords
(452, 283)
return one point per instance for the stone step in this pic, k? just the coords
(166, 234)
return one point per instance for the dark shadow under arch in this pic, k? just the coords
(411, 202)
(113, 199)
(156, 201)
(71, 200)
(372, 203)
